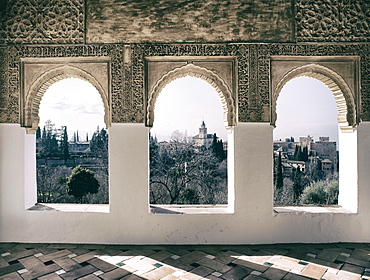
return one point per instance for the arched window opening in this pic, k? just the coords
(188, 145)
(72, 145)
(306, 144)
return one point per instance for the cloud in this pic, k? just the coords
(55, 105)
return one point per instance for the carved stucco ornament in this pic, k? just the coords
(333, 21)
(40, 22)
(32, 98)
(198, 72)
(343, 95)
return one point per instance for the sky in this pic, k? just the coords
(305, 107)
(74, 103)
(183, 105)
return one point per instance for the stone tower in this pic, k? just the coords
(203, 131)
(203, 138)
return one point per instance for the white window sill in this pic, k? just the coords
(311, 209)
(65, 207)
(190, 209)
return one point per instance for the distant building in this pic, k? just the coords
(306, 142)
(286, 148)
(203, 139)
(79, 147)
(326, 166)
(325, 149)
(323, 153)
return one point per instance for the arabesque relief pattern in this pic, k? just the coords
(63, 21)
(253, 62)
(3, 18)
(3, 78)
(115, 52)
(362, 50)
(52, 21)
(333, 21)
(259, 65)
(344, 98)
(365, 84)
(199, 72)
(33, 96)
(247, 110)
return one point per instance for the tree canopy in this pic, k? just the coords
(99, 143)
(52, 142)
(81, 182)
(301, 154)
(321, 192)
(182, 172)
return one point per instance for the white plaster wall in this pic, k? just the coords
(30, 185)
(129, 221)
(348, 175)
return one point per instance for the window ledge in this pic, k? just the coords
(311, 209)
(64, 207)
(190, 209)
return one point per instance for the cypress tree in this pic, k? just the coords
(99, 143)
(38, 133)
(64, 144)
(53, 145)
(220, 150)
(298, 153)
(217, 148)
(279, 174)
(48, 142)
(297, 186)
(214, 144)
(304, 154)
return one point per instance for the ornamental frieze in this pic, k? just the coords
(44, 22)
(14, 54)
(128, 75)
(333, 21)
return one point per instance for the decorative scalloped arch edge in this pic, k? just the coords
(38, 88)
(198, 72)
(346, 105)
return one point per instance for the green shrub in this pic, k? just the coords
(321, 192)
(332, 189)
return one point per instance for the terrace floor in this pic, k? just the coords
(280, 261)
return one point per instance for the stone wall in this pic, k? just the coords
(63, 21)
(189, 21)
(68, 28)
